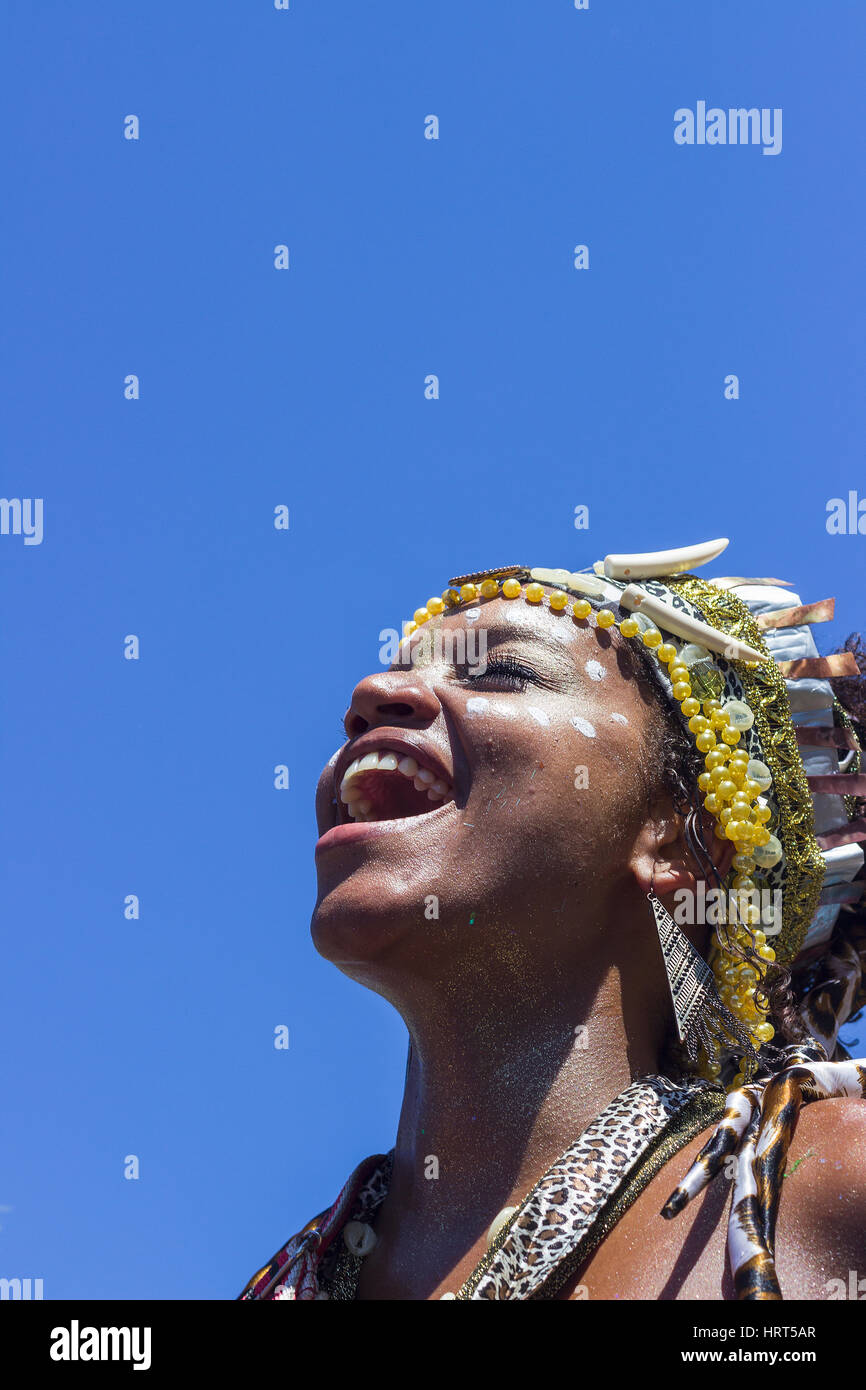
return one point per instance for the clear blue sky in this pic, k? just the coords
(306, 387)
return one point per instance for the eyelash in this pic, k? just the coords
(506, 669)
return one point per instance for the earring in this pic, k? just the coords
(702, 1019)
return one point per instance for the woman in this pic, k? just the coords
(518, 852)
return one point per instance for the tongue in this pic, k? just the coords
(392, 796)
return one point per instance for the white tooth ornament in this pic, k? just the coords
(651, 564)
(681, 624)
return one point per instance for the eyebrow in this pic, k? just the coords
(524, 632)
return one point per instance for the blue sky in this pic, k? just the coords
(305, 388)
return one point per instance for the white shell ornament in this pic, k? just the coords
(760, 773)
(765, 856)
(740, 715)
(651, 564)
(359, 1238)
(498, 1222)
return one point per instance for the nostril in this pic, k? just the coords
(354, 724)
(398, 708)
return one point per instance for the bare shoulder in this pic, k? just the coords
(822, 1212)
(820, 1231)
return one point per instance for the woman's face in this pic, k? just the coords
(534, 753)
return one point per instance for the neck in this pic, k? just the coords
(497, 1089)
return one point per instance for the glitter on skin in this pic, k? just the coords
(595, 670)
(583, 726)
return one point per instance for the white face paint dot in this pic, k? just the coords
(619, 719)
(505, 711)
(595, 670)
(539, 715)
(583, 726)
(472, 615)
(477, 705)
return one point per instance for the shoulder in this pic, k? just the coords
(820, 1230)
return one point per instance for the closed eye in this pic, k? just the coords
(504, 671)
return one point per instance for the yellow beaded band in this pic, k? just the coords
(732, 782)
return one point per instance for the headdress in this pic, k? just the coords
(738, 659)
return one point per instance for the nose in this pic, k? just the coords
(390, 698)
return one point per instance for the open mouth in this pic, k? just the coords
(383, 785)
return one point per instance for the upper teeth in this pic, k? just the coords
(437, 788)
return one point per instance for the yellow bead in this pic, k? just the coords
(706, 743)
(629, 627)
(762, 814)
(737, 773)
(605, 618)
(511, 589)
(720, 718)
(534, 593)
(698, 723)
(765, 1031)
(558, 600)
(581, 608)
(741, 755)
(743, 884)
(681, 691)
(489, 588)
(740, 808)
(421, 615)
(760, 835)
(731, 736)
(450, 597)
(704, 782)
(691, 708)
(434, 606)
(719, 831)
(716, 757)
(712, 804)
(678, 672)
(750, 788)
(468, 592)
(726, 789)
(744, 862)
(652, 637)
(409, 628)
(766, 953)
(760, 938)
(666, 652)
(710, 705)
(734, 830)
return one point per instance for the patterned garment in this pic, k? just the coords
(562, 1219)
(549, 1226)
(758, 1125)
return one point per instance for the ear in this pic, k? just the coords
(662, 860)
